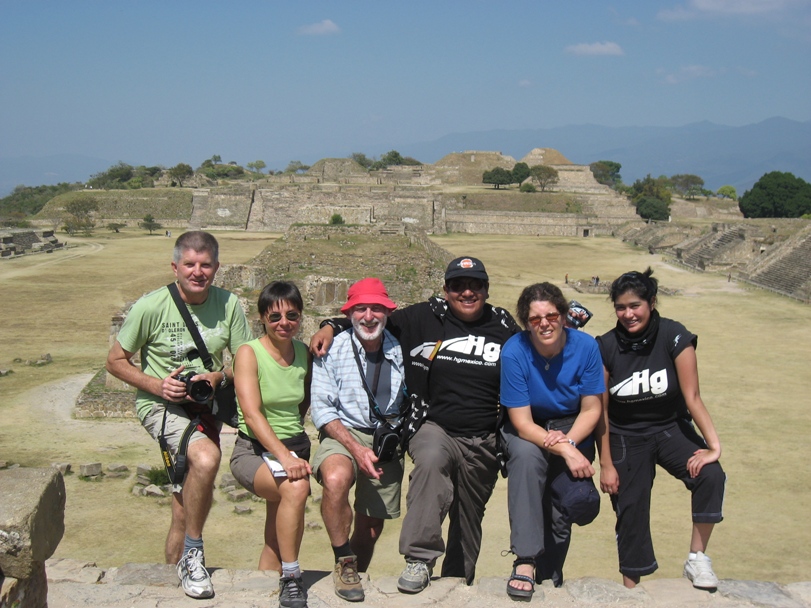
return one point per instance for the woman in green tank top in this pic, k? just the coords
(270, 458)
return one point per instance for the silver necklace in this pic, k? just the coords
(548, 361)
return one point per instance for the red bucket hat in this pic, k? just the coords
(367, 291)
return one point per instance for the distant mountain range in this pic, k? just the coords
(719, 154)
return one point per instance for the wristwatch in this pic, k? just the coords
(224, 381)
(574, 445)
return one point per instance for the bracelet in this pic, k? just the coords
(224, 381)
(574, 445)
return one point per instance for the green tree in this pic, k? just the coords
(650, 208)
(544, 175)
(180, 172)
(728, 192)
(498, 177)
(80, 215)
(257, 166)
(115, 227)
(363, 160)
(607, 172)
(651, 187)
(520, 172)
(216, 159)
(149, 223)
(688, 185)
(777, 194)
(296, 166)
(29, 200)
(114, 178)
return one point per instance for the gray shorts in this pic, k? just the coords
(246, 459)
(378, 498)
(176, 422)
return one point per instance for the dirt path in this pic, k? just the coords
(66, 255)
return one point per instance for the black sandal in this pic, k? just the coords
(521, 595)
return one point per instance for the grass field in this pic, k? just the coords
(753, 363)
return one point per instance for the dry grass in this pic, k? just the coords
(752, 357)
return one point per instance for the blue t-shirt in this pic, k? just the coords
(553, 393)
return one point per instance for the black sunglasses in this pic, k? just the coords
(290, 315)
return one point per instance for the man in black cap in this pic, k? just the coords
(452, 351)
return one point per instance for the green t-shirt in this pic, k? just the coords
(282, 390)
(155, 327)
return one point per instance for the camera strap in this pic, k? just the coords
(202, 351)
(374, 410)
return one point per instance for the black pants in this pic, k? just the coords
(635, 458)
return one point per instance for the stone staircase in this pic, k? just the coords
(704, 250)
(786, 270)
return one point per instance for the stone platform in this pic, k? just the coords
(73, 584)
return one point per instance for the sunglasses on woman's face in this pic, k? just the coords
(290, 315)
(552, 317)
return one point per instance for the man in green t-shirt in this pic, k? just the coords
(155, 327)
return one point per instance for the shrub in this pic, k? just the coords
(527, 187)
(158, 476)
(336, 219)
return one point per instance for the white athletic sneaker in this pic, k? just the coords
(699, 571)
(194, 578)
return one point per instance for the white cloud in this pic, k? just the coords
(690, 72)
(322, 28)
(710, 8)
(524, 83)
(595, 48)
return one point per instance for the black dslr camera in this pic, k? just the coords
(200, 391)
(385, 442)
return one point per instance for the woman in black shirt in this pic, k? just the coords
(652, 400)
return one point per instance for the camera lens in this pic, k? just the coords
(200, 391)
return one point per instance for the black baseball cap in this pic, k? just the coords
(466, 267)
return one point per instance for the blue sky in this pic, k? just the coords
(164, 82)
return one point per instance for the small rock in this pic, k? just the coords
(118, 468)
(316, 500)
(6, 372)
(312, 525)
(120, 475)
(242, 509)
(3, 464)
(64, 467)
(143, 479)
(143, 469)
(138, 489)
(228, 489)
(153, 490)
(239, 495)
(89, 470)
(227, 479)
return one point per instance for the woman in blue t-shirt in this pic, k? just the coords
(551, 383)
(652, 399)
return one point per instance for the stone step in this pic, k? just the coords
(73, 583)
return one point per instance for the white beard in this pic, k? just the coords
(366, 333)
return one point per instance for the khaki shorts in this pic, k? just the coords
(246, 459)
(379, 498)
(176, 422)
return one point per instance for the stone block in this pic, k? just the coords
(153, 490)
(118, 468)
(29, 592)
(227, 479)
(143, 469)
(143, 480)
(32, 519)
(242, 509)
(239, 495)
(64, 467)
(138, 490)
(73, 571)
(90, 469)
